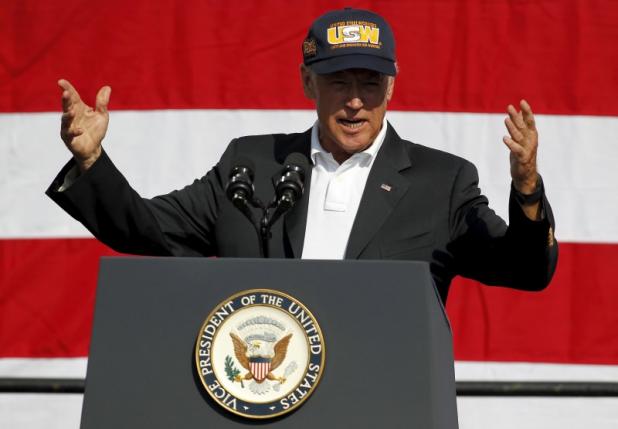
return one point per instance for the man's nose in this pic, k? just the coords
(354, 97)
(355, 103)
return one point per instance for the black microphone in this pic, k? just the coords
(291, 185)
(239, 189)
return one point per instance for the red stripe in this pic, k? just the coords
(472, 56)
(573, 321)
(47, 297)
(260, 370)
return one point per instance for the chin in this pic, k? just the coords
(355, 144)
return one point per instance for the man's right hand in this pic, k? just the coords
(83, 128)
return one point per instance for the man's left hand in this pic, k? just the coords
(523, 143)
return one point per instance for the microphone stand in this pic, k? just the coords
(288, 189)
(265, 235)
(262, 228)
(281, 205)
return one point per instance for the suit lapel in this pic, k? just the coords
(295, 220)
(384, 188)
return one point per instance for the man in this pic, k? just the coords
(369, 194)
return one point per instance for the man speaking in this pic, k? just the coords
(369, 194)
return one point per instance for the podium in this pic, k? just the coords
(388, 363)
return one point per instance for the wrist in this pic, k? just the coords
(527, 185)
(528, 194)
(85, 163)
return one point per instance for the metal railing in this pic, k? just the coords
(464, 388)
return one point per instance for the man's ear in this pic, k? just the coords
(308, 82)
(391, 84)
(390, 88)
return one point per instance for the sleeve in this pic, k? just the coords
(522, 255)
(180, 223)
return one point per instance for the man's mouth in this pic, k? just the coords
(351, 124)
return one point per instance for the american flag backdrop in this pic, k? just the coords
(188, 76)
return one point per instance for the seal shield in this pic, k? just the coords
(260, 353)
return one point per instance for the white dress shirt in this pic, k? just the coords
(334, 197)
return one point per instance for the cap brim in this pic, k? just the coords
(354, 61)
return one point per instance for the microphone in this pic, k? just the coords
(288, 190)
(291, 185)
(239, 189)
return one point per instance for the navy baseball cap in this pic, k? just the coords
(349, 39)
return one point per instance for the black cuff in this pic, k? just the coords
(527, 199)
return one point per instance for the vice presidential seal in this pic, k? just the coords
(260, 353)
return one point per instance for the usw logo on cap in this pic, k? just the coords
(338, 34)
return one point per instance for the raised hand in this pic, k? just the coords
(523, 143)
(83, 128)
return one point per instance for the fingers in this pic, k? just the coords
(70, 96)
(521, 125)
(67, 119)
(103, 99)
(66, 85)
(70, 101)
(68, 130)
(516, 149)
(513, 131)
(67, 101)
(527, 114)
(523, 119)
(516, 117)
(522, 130)
(522, 143)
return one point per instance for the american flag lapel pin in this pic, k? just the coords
(386, 187)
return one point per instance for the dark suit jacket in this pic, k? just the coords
(433, 212)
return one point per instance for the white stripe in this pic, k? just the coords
(521, 371)
(43, 367)
(163, 150)
(35, 411)
(537, 413)
(464, 371)
(27, 411)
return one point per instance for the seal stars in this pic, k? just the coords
(260, 353)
